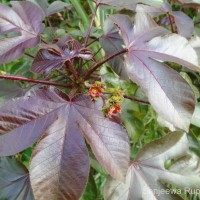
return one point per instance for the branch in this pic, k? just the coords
(102, 62)
(93, 41)
(131, 98)
(171, 23)
(136, 99)
(29, 55)
(23, 79)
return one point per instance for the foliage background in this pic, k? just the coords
(139, 119)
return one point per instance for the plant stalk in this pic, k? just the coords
(91, 24)
(23, 79)
(102, 62)
(136, 99)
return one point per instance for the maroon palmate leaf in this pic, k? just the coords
(54, 56)
(192, 3)
(195, 43)
(185, 25)
(62, 121)
(147, 173)
(25, 19)
(128, 4)
(148, 45)
(112, 43)
(56, 6)
(59, 166)
(10, 89)
(14, 180)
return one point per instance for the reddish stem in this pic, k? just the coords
(102, 62)
(17, 78)
(91, 24)
(136, 99)
(93, 41)
(171, 23)
(131, 98)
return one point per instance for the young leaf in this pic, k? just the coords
(14, 180)
(144, 176)
(25, 19)
(23, 120)
(54, 56)
(147, 45)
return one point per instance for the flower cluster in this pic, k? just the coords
(113, 103)
(96, 90)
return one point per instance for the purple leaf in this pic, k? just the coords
(143, 180)
(190, 1)
(184, 24)
(55, 7)
(148, 45)
(107, 139)
(195, 43)
(54, 56)
(14, 180)
(9, 90)
(25, 19)
(112, 43)
(128, 4)
(59, 166)
(24, 120)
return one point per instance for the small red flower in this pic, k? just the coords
(114, 110)
(95, 91)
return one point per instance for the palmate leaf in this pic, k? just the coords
(56, 6)
(9, 90)
(14, 180)
(112, 43)
(54, 56)
(148, 45)
(60, 163)
(128, 4)
(196, 116)
(25, 19)
(190, 1)
(185, 25)
(144, 176)
(195, 43)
